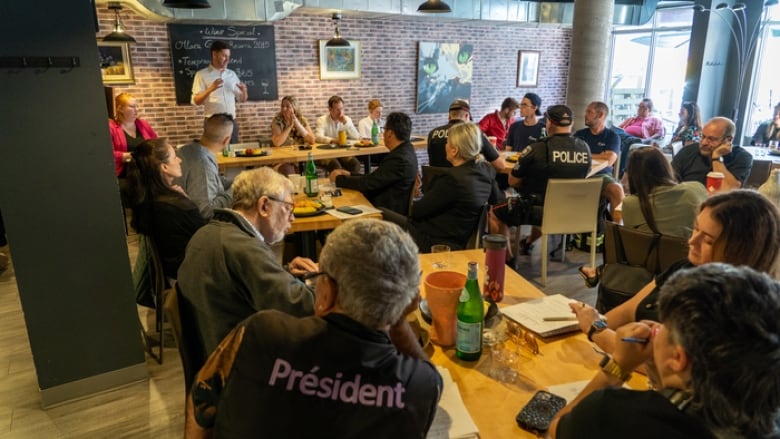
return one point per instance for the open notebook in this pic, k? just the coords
(531, 314)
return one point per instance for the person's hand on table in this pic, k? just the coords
(336, 172)
(300, 266)
(586, 315)
(630, 355)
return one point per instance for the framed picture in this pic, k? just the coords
(444, 73)
(527, 68)
(340, 62)
(115, 64)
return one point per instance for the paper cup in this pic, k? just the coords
(714, 181)
(442, 291)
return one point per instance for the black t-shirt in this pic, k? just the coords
(623, 413)
(437, 140)
(521, 135)
(558, 156)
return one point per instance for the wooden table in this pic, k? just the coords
(494, 405)
(762, 154)
(596, 165)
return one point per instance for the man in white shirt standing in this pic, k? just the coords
(218, 88)
(328, 127)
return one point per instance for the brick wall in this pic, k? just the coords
(389, 69)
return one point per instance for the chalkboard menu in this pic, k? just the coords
(252, 56)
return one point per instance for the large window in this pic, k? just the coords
(649, 61)
(766, 86)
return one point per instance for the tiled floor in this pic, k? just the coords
(153, 408)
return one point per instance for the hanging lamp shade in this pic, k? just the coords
(118, 34)
(187, 4)
(337, 40)
(434, 7)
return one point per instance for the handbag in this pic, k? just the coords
(623, 273)
(144, 275)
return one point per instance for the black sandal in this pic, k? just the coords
(590, 281)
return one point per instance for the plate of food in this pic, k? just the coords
(334, 146)
(251, 152)
(512, 158)
(305, 208)
(364, 143)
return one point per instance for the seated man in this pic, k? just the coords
(229, 270)
(644, 125)
(437, 139)
(557, 156)
(200, 177)
(497, 123)
(327, 131)
(716, 357)
(604, 144)
(768, 130)
(714, 153)
(350, 371)
(391, 184)
(528, 130)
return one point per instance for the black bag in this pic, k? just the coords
(144, 275)
(618, 283)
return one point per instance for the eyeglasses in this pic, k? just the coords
(290, 205)
(310, 277)
(526, 105)
(522, 337)
(714, 139)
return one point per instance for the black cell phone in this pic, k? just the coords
(304, 147)
(538, 414)
(336, 193)
(349, 210)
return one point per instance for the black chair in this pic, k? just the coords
(759, 173)
(475, 240)
(185, 331)
(160, 288)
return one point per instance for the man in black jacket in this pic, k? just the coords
(392, 183)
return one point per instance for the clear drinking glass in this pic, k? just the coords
(441, 255)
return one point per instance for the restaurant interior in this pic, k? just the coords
(72, 363)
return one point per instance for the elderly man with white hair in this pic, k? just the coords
(349, 371)
(230, 271)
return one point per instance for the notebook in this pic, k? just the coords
(531, 315)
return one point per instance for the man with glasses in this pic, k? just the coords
(354, 369)
(200, 177)
(714, 153)
(230, 271)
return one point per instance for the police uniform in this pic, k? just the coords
(558, 156)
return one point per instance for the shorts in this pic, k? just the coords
(606, 179)
(520, 210)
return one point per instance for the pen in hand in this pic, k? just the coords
(635, 340)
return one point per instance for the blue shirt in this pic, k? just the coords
(606, 140)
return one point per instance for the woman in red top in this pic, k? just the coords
(127, 130)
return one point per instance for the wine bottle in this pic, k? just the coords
(312, 188)
(468, 343)
(375, 133)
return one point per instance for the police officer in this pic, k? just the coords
(557, 156)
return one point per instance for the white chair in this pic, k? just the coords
(570, 206)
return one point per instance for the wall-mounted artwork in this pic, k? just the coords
(527, 68)
(115, 64)
(340, 62)
(444, 73)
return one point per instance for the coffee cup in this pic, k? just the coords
(714, 181)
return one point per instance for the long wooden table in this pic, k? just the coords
(325, 221)
(494, 405)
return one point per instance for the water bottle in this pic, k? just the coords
(375, 134)
(468, 342)
(312, 188)
(495, 267)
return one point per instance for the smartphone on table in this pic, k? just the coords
(538, 414)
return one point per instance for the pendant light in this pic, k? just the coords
(434, 7)
(187, 4)
(337, 41)
(118, 34)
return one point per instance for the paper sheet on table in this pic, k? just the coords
(569, 391)
(365, 210)
(452, 419)
(531, 314)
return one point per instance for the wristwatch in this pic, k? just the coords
(596, 327)
(719, 159)
(611, 368)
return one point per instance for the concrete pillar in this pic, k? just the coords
(589, 57)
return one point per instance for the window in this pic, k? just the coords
(766, 88)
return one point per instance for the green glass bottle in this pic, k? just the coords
(468, 344)
(375, 134)
(312, 188)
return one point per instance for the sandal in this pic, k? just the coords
(590, 281)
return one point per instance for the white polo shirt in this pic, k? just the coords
(223, 99)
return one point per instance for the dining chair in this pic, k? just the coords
(616, 167)
(759, 173)
(570, 206)
(475, 240)
(161, 287)
(185, 331)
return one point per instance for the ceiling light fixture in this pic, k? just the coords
(187, 4)
(337, 41)
(434, 7)
(118, 34)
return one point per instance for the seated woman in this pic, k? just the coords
(768, 130)
(127, 130)
(374, 115)
(289, 127)
(739, 227)
(449, 211)
(644, 125)
(161, 209)
(689, 129)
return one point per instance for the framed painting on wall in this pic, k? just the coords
(115, 64)
(444, 73)
(528, 68)
(340, 62)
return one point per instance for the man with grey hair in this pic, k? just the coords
(350, 369)
(200, 177)
(714, 153)
(230, 271)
